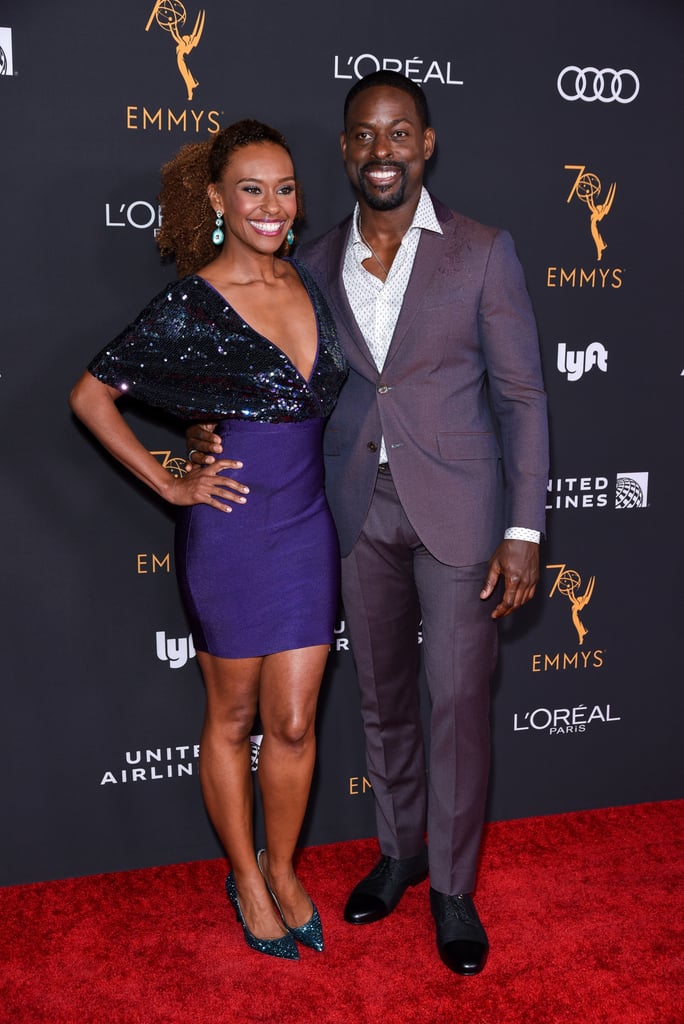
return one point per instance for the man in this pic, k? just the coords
(438, 444)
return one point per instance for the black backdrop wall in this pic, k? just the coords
(550, 119)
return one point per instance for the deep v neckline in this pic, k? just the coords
(274, 345)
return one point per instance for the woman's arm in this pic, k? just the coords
(94, 403)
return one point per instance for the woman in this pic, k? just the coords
(245, 339)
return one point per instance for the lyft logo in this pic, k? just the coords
(575, 364)
(176, 652)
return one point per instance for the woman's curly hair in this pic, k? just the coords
(187, 215)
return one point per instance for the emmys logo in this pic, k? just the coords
(174, 465)
(170, 15)
(6, 66)
(153, 563)
(568, 583)
(587, 189)
(631, 490)
(576, 364)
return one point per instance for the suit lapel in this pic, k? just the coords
(429, 256)
(337, 295)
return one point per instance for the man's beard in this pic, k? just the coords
(378, 200)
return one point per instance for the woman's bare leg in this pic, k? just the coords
(232, 687)
(288, 696)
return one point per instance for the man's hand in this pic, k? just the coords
(202, 441)
(205, 486)
(518, 562)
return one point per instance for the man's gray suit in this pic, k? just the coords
(461, 405)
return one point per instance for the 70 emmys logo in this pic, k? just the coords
(587, 188)
(171, 15)
(568, 583)
(175, 465)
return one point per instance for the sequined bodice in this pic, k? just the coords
(190, 353)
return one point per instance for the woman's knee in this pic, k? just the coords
(294, 730)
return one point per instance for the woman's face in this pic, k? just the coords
(258, 197)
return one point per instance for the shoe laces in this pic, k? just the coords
(383, 867)
(456, 907)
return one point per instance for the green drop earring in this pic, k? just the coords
(218, 236)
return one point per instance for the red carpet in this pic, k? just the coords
(584, 913)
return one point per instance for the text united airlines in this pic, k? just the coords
(577, 492)
(155, 763)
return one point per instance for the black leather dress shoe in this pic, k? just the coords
(461, 939)
(378, 893)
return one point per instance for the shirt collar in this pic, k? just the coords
(424, 218)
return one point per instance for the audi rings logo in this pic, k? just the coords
(591, 84)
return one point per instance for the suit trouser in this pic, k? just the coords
(390, 581)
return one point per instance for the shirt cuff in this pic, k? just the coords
(520, 533)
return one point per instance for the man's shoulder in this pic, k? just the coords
(454, 223)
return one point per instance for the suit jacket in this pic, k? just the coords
(460, 400)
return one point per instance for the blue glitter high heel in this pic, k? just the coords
(284, 947)
(309, 934)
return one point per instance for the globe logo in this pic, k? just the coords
(628, 493)
(170, 14)
(3, 62)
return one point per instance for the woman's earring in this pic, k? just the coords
(290, 237)
(218, 236)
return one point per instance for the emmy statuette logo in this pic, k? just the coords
(174, 465)
(568, 582)
(171, 16)
(587, 188)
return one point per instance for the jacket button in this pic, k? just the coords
(372, 446)
(383, 389)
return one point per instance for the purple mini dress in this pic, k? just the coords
(264, 577)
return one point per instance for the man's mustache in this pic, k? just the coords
(379, 165)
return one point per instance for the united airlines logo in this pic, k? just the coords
(594, 492)
(631, 490)
(171, 16)
(603, 85)
(6, 67)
